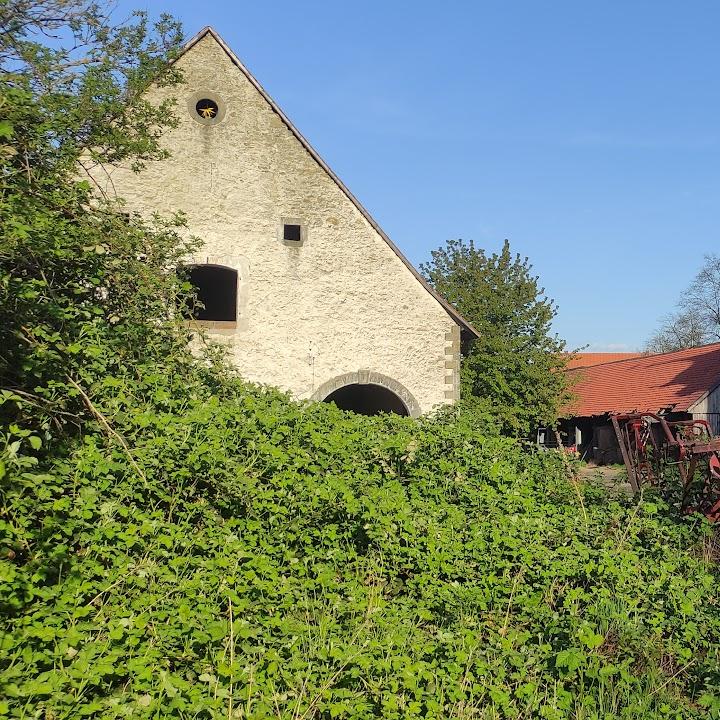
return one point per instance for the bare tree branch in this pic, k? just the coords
(696, 321)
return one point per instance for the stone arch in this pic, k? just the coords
(369, 377)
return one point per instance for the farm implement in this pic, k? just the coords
(653, 447)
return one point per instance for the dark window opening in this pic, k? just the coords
(207, 109)
(215, 291)
(291, 233)
(367, 400)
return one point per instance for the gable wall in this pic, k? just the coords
(709, 409)
(341, 303)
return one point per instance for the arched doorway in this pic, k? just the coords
(369, 393)
(367, 400)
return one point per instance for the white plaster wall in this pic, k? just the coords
(343, 301)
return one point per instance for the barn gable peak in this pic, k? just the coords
(211, 32)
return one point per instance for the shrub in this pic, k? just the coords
(281, 560)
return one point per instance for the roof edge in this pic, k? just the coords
(643, 356)
(706, 394)
(449, 309)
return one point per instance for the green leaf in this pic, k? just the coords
(591, 639)
(570, 659)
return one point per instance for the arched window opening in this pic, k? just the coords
(367, 400)
(216, 293)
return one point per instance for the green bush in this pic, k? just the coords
(277, 560)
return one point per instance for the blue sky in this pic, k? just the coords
(588, 134)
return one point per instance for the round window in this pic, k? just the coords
(205, 106)
(207, 109)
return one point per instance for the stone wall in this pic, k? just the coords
(342, 302)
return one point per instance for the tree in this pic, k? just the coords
(696, 321)
(82, 285)
(515, 366)
(679, 330)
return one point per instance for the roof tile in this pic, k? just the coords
(588, 359)
(651, 383)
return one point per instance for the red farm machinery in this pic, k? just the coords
(662, 452)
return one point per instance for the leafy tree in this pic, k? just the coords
(82, 285)
(696, 321)
(515, 366)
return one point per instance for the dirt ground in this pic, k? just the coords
(612, 476)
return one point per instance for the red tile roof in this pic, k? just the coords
(674, 380)
(587, 359)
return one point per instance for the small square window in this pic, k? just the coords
(292, 233)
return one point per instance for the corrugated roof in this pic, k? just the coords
(449, 309)
(652, 383)
(587, 359)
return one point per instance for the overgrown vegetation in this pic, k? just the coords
(177, 544)
(280, 561)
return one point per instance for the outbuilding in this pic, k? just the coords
(680, 385)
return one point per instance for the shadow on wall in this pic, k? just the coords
(367, 400)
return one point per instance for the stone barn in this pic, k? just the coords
(295, 276)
